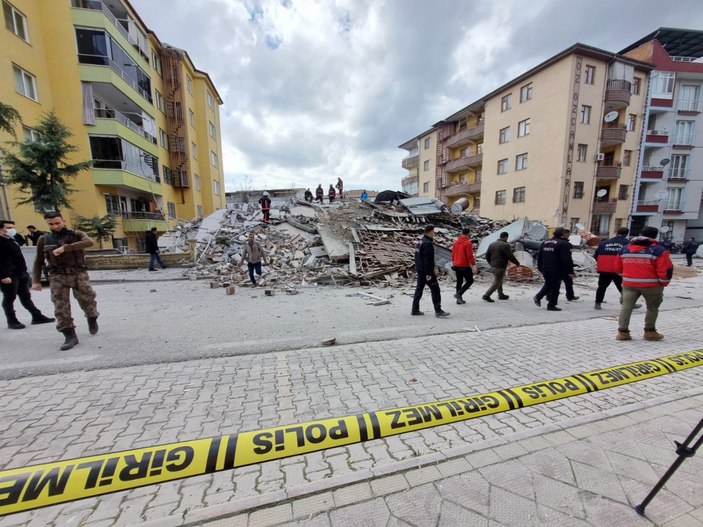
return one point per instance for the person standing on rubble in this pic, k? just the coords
(426, 275)
(265, 203)
(331, 193)
(463, 264)
(308, 195)
(253, 254)
(605, 255)
(498, 255)
(340, 187)
(319, 193)
(554, 262)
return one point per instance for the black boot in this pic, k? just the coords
(13, 323)
(71, 339)
(38, 318)
(93, 325)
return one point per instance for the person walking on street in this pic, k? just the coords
(152, 247)
(568, 279)
(14, 279)
(340, 187)
(319, 193)
(498, 255)
(646, 270)
(265, 203)
(331, 193)
(34, 234)
(605, 255)
(253, 254)
(426, 275)
(689, 249)
(554, 262)
(64, 252)
(463, 264)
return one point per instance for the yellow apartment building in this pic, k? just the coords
(139, 109)
(559, 144)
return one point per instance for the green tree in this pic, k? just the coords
(8, 118)
(40, 169)
(96, 227)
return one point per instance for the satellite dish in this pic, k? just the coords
(580, 226)
(602, 192)
(661, 194)
(610, 117)
(664, 229)
(664, 162)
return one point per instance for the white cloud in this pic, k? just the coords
(316, 89)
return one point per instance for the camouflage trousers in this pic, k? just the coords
(61, 285)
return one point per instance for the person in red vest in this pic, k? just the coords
(605, 255)
(265, 203)
(646, 269)
(463, 264)
(331, 193)
(340, 187)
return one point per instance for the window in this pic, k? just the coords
(200, 211)
(519, 195)
(572, 224)
(578, 189)
(623, 191)
(636, 84)
(171, 207)
(689, 99)
(585, 114)
(210, 100)
(25, 83)
(427, 142)
(213, 159)
(155, 62)
(112, 204)
(521, 162)
(581, 153)
(15, 21)
(196, 182)
(631, 122)
(590, 75)
(504, 135)
(500, 197)
(30, 134)
(194, 150)
(163, 138)
(503, 166)
(679, 166)
(526, 92)
(426, 166)
(166, 173)
(191, 117)
(674, 199)
(663, 84)
(523, 128)
(426, 187)
(506, 102)
(159, 100)
(685, 132)
(211, 130)
(189, 84)
(216, 187)
(627, 158)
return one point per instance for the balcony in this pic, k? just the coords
(684, 140)
(112, 122)
(688, 106)
(652, 173)
(462, 188)
(464, 163)
(608, 172)
(412, 160)
(647, 207)
(117, 173)
(102, 60)
(617, 94)
(466, 136)
(143, 221)
(657, 136)
(605, 207)
(678, 175)
(613, 134)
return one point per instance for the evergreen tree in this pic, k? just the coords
(96, 227)
(8, 117)
(40, 169)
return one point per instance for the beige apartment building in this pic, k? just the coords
(558, 144)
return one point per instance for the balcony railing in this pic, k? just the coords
(464, 137)
(142, 216)
(411, 160)
(464, 162)
(613, 133)
(608, 172)
(688, 105)
(656, 172)
(102, 60)
(657, 136)
(678, 174)
(462, 188)
(605, 207)
(118, 164)
(618, 93)
(647, 206)
(103, 113)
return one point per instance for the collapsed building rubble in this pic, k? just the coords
(346, 242)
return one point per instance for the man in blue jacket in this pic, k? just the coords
(426, 275)
(554, 262)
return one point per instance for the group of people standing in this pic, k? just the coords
(331, 192)
(639, 267)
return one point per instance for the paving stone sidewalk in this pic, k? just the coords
(46, 418)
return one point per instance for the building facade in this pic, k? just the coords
(138, 109)
(557, 144)
(670, 178)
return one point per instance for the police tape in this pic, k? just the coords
(47, 484)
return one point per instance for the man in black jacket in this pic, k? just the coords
(14, 279)
(152, 247)
(554, 262)
(426, 275)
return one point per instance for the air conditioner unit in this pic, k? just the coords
(600, 156)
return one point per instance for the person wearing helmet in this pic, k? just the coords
(265, 203)
(319, 193)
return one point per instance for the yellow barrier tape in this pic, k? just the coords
(47, 484)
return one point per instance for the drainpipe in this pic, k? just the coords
(640, 157)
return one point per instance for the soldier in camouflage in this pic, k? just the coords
(63, 250)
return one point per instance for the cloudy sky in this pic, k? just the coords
(319, 89)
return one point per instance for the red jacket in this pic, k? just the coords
(644, 263)
(463, 252)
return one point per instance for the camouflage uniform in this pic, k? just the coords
(66, 271)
